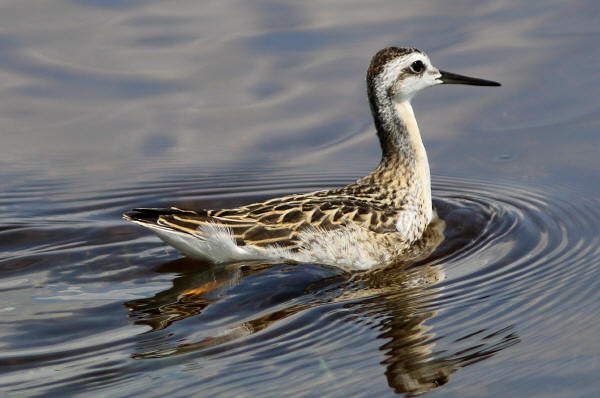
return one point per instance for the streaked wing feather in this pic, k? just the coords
(279, 221)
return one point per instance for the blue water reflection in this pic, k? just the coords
(109, 105)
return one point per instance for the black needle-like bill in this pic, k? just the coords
(453, 78)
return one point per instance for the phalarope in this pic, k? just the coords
(369, 222)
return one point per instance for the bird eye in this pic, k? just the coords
(417, 66)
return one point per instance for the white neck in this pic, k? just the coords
(404, 160)
(421, 184)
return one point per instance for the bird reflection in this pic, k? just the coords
(396, 297)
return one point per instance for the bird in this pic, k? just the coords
(367, 223)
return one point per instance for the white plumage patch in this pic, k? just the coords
(214, 242)
(353, 248)
(406, 224)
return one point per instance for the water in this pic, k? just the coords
(106, 106)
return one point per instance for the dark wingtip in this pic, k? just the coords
(144, 214)
(150, 214)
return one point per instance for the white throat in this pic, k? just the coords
(422, 180)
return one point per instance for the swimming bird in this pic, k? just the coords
(367, 223)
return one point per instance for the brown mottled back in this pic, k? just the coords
(279, 221)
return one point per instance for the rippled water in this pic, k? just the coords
(105, 307)
(106, 106)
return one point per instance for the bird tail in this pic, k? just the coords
(149, 215)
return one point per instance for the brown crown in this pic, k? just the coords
(384, 56)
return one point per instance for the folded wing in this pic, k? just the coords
(276, 222)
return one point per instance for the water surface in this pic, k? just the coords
(106, 106)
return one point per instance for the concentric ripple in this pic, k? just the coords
(516, 253)
(516, 269)
(511, 255)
